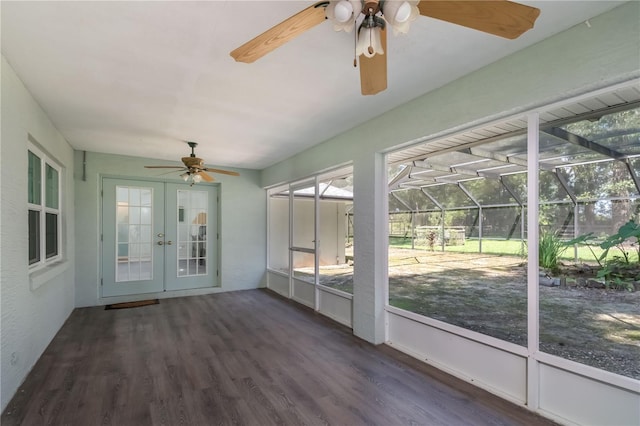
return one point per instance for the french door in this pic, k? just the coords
(158, 237)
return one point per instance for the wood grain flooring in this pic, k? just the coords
(240, 358)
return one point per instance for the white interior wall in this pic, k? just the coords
(279, 233)
(577, 61)
(33, 306)
(242, 225)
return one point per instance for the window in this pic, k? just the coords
(44, 208)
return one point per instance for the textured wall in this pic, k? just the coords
(33, 306)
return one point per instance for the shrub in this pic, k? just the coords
(628, 231)
(551, 248)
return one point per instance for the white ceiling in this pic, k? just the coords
(140, 78)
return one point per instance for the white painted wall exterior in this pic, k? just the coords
(33, 306)
(575, 62)
(242, 226)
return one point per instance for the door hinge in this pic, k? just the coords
(101, 283)
(101, 237)
(217, 235)
(102, 193)
(217, 272)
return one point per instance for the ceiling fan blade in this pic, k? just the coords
(373, 71)
(498, 17)
(224, 172)
(164, 167)
(205, 176)
(280, 34)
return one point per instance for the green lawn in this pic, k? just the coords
(509, 247)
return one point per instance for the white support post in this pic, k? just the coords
(413, 230)
(291, 219)
(371, 229)
(480, 229)
(533, 278)
(316, 242)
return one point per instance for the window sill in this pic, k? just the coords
(42, 275)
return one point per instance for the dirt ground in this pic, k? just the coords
(488, 294)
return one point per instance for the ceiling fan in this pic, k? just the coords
(194, 169)
(498, 17)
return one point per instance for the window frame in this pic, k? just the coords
(43, 210)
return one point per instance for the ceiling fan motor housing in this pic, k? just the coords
(193, 162)
(371, 7)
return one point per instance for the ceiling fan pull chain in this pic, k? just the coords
(355, 42)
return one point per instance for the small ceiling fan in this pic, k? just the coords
(498, 17)
(194, 169)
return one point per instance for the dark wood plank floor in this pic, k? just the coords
(247, 358)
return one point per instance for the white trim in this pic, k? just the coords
(589, 372)
(335, 292)
(275, 271)
(533, 278)
(46, 160)
(472, 380)
(39, 276)
(460, 331)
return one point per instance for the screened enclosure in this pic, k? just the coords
(589, 183)
(459, 241)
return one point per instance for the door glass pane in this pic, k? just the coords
(303, 217)
(193, 216)
(304, 265)
(134, 245)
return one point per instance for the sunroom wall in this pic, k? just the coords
(583, 59)
(577, 61)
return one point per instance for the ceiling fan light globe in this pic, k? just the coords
(399, 14)
(185, 176)
(403, 13)
(343, 11)
(197, 178)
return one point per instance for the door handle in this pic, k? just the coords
(169, 243)
(160, 243)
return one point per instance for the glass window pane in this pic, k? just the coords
(51, 190)
(182, 268)
(51, 235)
(34, 236)
(122, 195)
(145, 215)
(303, 218)
(145, 197)
(192, 232)
(35, 180)
(304, 266)
(134, 233)
(279, 232)
(134, 196)
(459, 263)
(134, 215)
